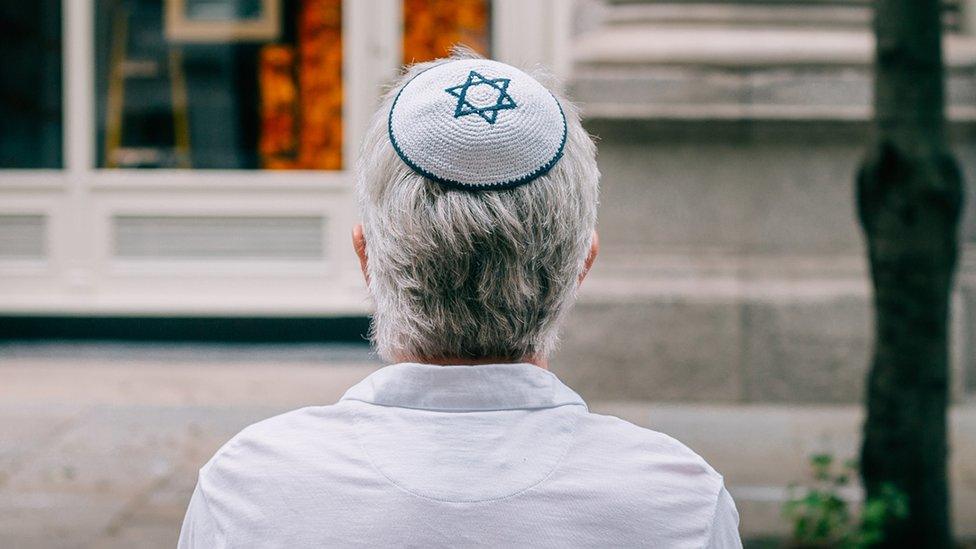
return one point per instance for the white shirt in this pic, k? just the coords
(415, 455)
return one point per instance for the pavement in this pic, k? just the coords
(100, 443)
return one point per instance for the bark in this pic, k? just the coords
(909, 194)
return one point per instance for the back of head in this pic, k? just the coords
(468, 258)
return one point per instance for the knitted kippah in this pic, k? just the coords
(477, 124)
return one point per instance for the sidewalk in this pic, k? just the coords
(99, 445)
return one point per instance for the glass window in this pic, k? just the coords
(432, 27)
(223, 84)
(30, 84)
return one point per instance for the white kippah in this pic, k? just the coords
(477, 124)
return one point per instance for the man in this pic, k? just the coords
(478, 188)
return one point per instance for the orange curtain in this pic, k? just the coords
(320, 84)
(301, 93)
(279, 104)
(432, 27)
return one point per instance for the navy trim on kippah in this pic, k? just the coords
(457, 185)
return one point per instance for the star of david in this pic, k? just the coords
(489, 112)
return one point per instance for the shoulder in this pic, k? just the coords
(273, 469)
(652, 472)
(627, 444)
(652, 487)
(286, 444)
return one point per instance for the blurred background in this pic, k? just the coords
(175, 209)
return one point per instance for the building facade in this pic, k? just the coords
(730, 134)
(190, 157)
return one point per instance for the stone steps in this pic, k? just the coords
(745, 60)
(832, 14)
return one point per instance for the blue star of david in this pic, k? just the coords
(490, 112)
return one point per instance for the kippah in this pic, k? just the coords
(477, 124)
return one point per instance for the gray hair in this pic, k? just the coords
(468, 274)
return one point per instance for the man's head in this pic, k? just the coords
(461, 268)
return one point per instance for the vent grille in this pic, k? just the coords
(23, 236)
(218, 237)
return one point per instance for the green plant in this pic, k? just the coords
(891, 504)
(822, 517)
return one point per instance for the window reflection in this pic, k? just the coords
(228, 84)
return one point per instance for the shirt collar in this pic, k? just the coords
(464, 388)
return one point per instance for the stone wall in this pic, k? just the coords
(732, 263)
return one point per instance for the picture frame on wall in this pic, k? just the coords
(220, 21)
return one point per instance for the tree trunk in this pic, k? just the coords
(909, 194)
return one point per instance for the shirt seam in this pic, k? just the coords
(714, 514)
(207, 506)
(569, 446)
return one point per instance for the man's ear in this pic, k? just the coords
(359, 244)
(591, 257)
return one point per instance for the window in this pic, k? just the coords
(30, 98)
(432, 27)
(219, 84)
